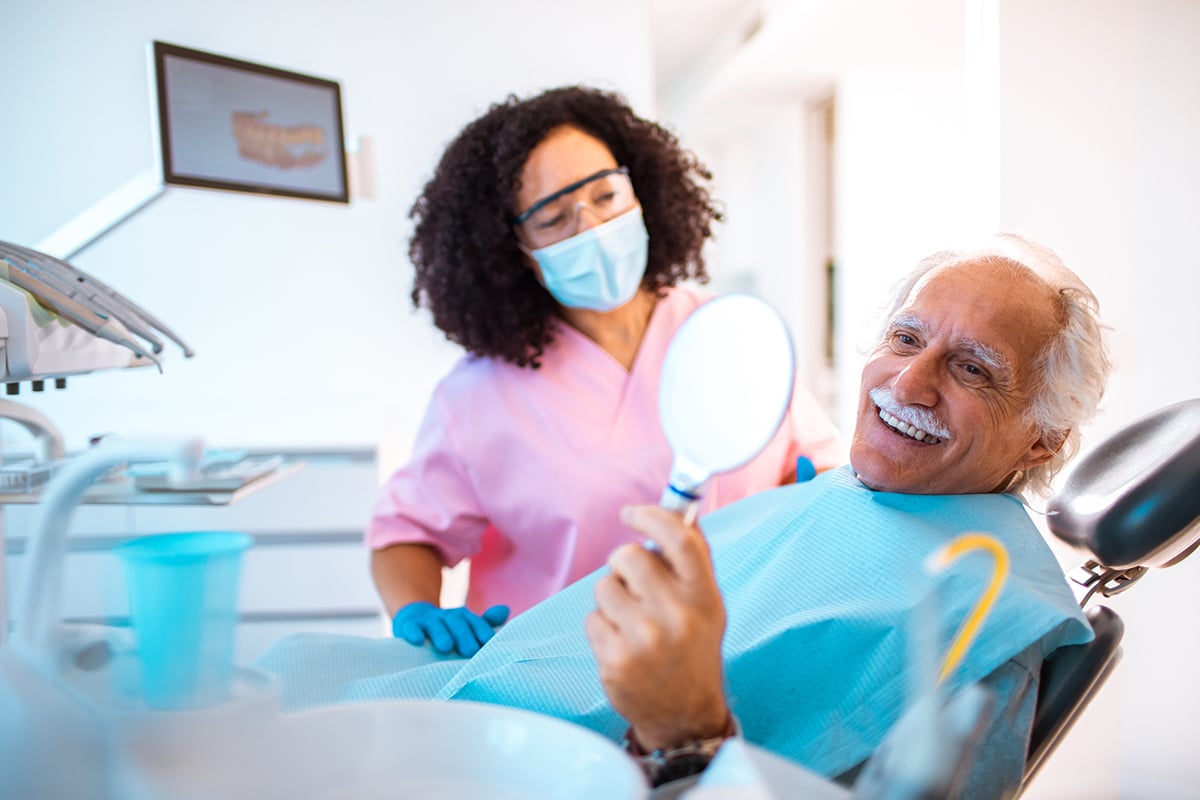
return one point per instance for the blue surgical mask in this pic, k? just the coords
(601, 268)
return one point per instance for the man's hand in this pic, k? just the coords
(448, 629)
(657, 630)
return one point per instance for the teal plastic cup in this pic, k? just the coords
(183, 596)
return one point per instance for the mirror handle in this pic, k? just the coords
(684, 501)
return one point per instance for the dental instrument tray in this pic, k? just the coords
(219, 473)
(25, 474)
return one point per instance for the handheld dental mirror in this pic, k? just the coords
(725, 387)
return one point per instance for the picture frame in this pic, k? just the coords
(229, 124)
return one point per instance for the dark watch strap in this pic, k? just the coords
(668, 764)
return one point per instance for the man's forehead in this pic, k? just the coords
(995, 308)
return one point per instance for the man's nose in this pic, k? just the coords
(916, 383)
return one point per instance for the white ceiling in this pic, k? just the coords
(712, 56)
(682, 30)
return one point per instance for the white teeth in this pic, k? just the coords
(912, 431)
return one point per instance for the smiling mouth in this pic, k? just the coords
(903, 428)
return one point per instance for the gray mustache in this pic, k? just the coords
(913, 415)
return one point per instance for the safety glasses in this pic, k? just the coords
(605, 194)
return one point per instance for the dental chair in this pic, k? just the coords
(1131, 505)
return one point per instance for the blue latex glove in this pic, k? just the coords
(805, 471)
(447, 629)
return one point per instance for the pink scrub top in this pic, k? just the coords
(524, 471)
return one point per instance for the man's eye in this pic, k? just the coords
(974, 372)
(904, 338)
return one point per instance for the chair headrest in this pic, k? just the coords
(1135, 499)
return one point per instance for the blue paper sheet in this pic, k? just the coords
(820, 583)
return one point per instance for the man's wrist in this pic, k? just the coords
(700, 719)
(681, 760)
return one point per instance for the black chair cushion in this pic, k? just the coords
(1135, 500)
(1070, 677)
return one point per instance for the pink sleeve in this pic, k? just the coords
(430, 500)
(813, 434)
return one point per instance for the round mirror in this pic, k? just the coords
(725, 387)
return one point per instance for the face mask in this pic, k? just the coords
(601, 268)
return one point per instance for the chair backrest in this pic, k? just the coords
(1130, 505)
(1070, 678)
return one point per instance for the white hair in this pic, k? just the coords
(1070, 371)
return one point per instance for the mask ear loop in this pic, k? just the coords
(943, 557)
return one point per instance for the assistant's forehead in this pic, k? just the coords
(566, 154)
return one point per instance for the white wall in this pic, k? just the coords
(298, 310)
(1101, 108)
(753, 166)
(899, 168)
(900, 191)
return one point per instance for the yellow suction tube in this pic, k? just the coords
(946, 555)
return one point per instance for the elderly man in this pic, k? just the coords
(988, 363)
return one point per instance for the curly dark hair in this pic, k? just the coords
(470, 271)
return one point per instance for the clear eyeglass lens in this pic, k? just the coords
(604, 197)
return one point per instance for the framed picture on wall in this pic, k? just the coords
(230, 124)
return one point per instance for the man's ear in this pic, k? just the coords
(1043, 449)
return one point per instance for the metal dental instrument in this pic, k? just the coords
(45, 268)
(96, 301)
(101, 292)
(95, 285)
(106, 328)
(52, 280)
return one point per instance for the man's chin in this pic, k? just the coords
(882, 477)
(872, 479)
(867, 482)
(869, 467)
(877, 485)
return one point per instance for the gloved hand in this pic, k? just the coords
(448, 629)
(805, 471)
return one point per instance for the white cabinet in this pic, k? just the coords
(306, 571)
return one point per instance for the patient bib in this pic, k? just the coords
(820, 583)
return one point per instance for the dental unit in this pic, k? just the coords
(87, 302)
(90, 320)
(96, 302)
(100, 292)
(72, 684)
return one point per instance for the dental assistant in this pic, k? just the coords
(549, 244)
